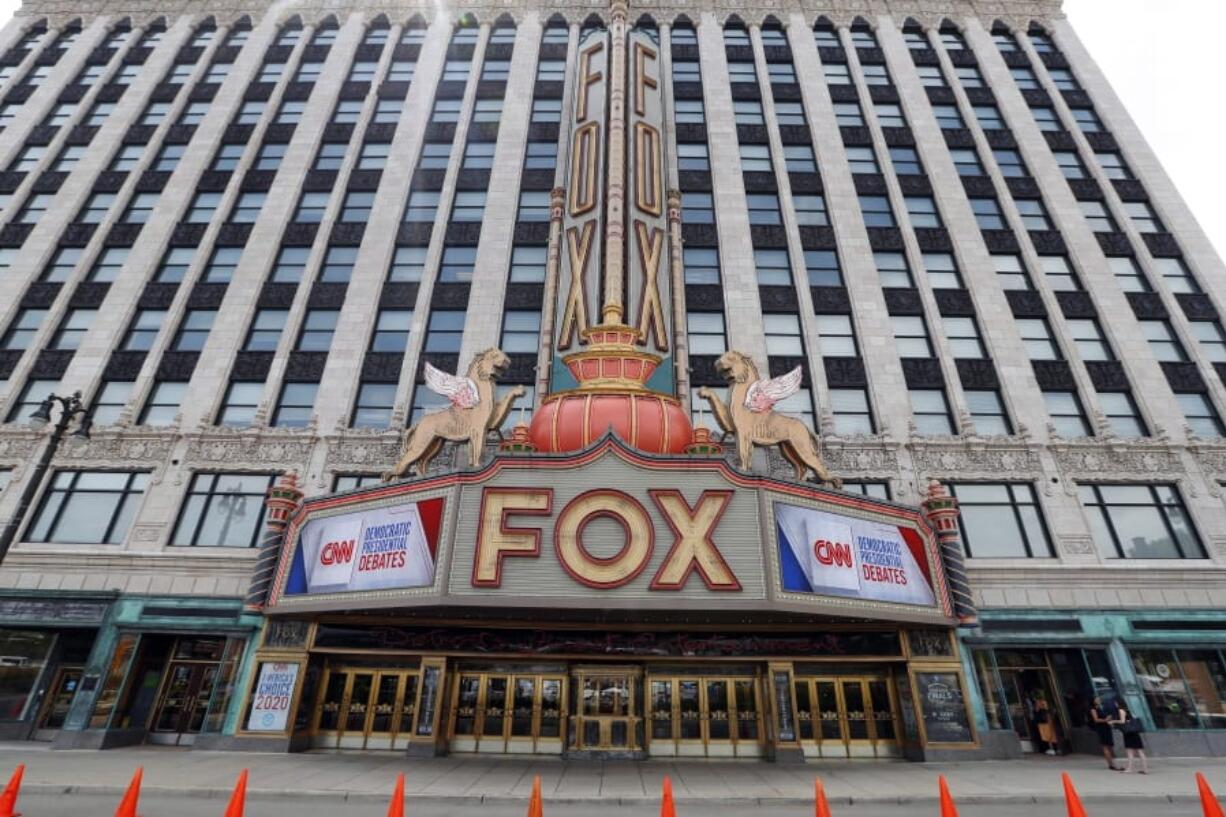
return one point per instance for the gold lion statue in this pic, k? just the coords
(749, 414)
(472, 413)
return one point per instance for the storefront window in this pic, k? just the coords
(1165, 691)
(224, 689)
(23, 654)
(125, 648)
(1203, 673)
(989, 688)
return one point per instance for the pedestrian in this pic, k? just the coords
(1047, 727)
(1134, 745)
(1100, 719)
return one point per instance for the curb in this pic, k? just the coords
(635, 800)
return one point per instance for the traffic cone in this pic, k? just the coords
(8, 800)
(819, 797)
(1075, 809)
(396, 808)
(535, 807)
(127, 806)
(948, 809)
(667, 807)
(239, 798)
(1208, 800)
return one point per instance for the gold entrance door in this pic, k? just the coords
(704, 717)
(362, 708)
(606, 716)
(508, 713)
(847, 716)
(57, 702)
(183, 702)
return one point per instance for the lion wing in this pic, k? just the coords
(461, 391)
(764, 394)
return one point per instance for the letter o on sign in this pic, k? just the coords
(615, 570)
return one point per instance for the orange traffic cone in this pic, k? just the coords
(823, 808)
(948, 809)
(667, 807)
(1075, 809)
(535, 807)
(396, 808)
(239, 798)
(8, 800)
(127, 806)
(1208, 800)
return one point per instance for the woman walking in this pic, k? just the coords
(1101, 719)
(1046, 723)
(1134, 746)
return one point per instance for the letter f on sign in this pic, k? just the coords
(495, 540)
(693, 548)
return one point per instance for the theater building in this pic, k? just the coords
(566, 276)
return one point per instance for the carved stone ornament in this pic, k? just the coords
(1113, 457)
(247, 448)
(978, 457)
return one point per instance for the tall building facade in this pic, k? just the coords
(243, 233)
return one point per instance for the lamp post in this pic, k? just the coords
(71, 408)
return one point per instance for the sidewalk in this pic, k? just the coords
(472, 779)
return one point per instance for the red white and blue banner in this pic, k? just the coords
(829, 554)
(392, 547)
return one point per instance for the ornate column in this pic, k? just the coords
(283, 499)
(681, 349)
(613, 309)
(941, 510)
(553, 264)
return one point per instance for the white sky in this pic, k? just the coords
(1165, 59)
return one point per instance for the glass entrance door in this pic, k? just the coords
(363, 708)
(704, 717)
(507, 713)
(606, 715)
(183, 703)
(847, 716)
(1023, 689)
(57, 702)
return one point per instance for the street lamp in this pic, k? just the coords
(71, 408)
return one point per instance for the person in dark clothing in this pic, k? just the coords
(1134, 745)
(1101, 719)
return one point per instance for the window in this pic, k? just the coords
(444, 331)
(941, 270)
(270, 156)
(533, 205)
(222, 265)
(1176, 274)
(1162, 341)
(1183, 688)
(1037, 339)
(1143, 217)
(988, 412)
(1198, 410)
(363, 71)
(162, 407)
(742, 73)
(836, 73)
(892, 269)
(338, 264)
(242, 401)
(1088, 337)
(706, 333)
(62, 264)
(1034, 214)
(414, 34)
(1001, 520)
(541, 156)
(789, 113)
(1025, 78)
(69, 157)
(99, 113)
(861, 160)
(922, 210)
(250, 113)
(930, 76)
(755, 159)
(952, 40)
(168, 158)
(376, 36)
(218, 72)
(28, 159)
(331, 155)
(96, 208)
(347, 111)
(1010, 272)
(847, 115)
(374, 405)
(969, 76)
(141, 208)
(202, 208)
(487, 110)
(963, 337)
(528, 264)
(108, 264)
(736, 36)
(392, 330)
(457, 264)
(906, 162)
(1113, 165)
(290, 265)
(32, 397)
(1070, 164)
(692, 156)
(782, 334)
(1063, 79)
(247, 208)
(423, 206)
(373, 156)
(1005, 43)
(180, 73)
(23, 328)
(1140, 522)
(555, 70)
(1210, 338)
(495, 70)
(838, 339)
(1010, 163)
(930, 411)
(521, 331)
(194, 330)
(295, 406)
(271, 72)
(550, 110)
(810, 210)
(175, 264)
(144, 329)
(1097, 217)
(89, 507)
(223, 510)
(456, 70)
(265, 332)
(387, 111)
(357, 207)
(826, 37)
(1122, 414)
(110, 401)
(822, 268)
(948, 117)
(852, 414)
(772, 267)
(409, 264)
(747, 112)
(290, 112)
(90, 75)
(317, 330)
(1046, 119)
(875, 74)
(876, 210)
(1058, 274)
(1127, 274)
(36, 205)
(323, 36)
(988, 117)
(763, 207)
(478, 156)
(194, 113)
(203, 37)
(697, 208)
(1067, 415)
(72, 329)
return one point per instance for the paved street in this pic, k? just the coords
(181, 783)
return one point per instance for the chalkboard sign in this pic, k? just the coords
(943, 707)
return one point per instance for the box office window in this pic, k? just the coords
(89, 507)
(223, 510)
(1001, 520)
(1184, 688)
(25, 655)
(1140, 522)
